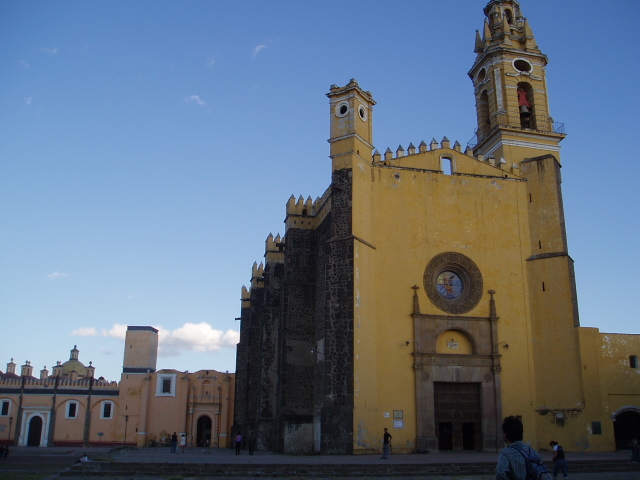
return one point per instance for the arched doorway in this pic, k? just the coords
(626, 427)
(35, 431)
(203, 432)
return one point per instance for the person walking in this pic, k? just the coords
(386, 445)
(238, 444)
(559, 460)
(174, 443)
(183, 442)
(512, 462)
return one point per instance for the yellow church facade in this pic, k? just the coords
(430, 290)
(71, 407)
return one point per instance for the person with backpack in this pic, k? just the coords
(518, 461)
(559, 460)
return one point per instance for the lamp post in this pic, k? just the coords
(126, 421)
(10, 422)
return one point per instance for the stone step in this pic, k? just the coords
(121, 469)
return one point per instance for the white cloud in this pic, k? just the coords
(195, 99)
(117, 331)
(56, 275)
(85, 332)
(52, 50)
(195, 337)
(258, 49)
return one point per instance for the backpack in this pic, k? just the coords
(560, 454)
(535, 468)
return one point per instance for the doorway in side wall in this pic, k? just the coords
(626, 427)
(35, 432)
(203, 433)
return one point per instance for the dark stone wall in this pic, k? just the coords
(270, 319)
(295, 356)
(240, 398)
(334, 322)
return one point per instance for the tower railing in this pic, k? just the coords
(536, 123)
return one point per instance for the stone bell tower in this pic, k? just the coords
(516, 128)
(509, 79)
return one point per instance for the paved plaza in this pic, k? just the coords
(59, 458)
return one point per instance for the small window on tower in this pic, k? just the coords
(633, 360)
(522, 65)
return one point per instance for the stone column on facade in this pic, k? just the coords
(190, 414)
(144, 407)
(492, 435)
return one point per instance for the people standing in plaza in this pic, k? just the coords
(512, 462)
(238, 444)
(183, 442)
(386, 445)
(174, 443)
(559, 460)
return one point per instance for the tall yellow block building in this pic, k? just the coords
(430, 291)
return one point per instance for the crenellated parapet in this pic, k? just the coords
(274, 249)
(61, 383)
(430, 157)
(307, 214)
(245, 297)
(257, 272)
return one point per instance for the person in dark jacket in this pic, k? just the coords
(559, 460)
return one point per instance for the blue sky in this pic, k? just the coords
(147, 149)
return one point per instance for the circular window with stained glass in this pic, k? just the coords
(449, 284)
(453, 282)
